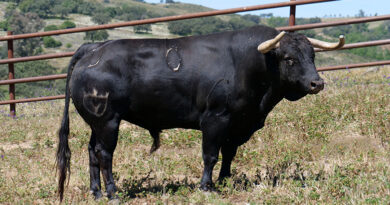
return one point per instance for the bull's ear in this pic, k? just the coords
(277, 52)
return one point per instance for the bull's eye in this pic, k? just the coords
(290, 62)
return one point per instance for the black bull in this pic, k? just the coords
(219, 84)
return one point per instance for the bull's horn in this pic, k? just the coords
(326, 45)
(270, 44)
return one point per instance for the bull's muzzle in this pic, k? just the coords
(316, 86)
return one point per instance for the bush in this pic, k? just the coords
(68, 45)
(277, 21)
(143, 28)
(88, 8)
(50, 42)
(99, 35)
(254, 18)
(129, 13)
(67, 24)
(26, 23)
(50, 28)
(198, 26)
(240, 23)
(101, 17)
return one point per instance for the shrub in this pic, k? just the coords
(99, 35)
(50, 42)
(143, 28)
(198, 26)
(67, 24)
(277, 21)
(50, 28)
(101, 17)
(240, 23)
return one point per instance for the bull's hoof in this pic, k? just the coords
(112, 197)
(223, 177)
(207, 187)
(97, 194)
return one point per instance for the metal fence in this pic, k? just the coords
(292, 27)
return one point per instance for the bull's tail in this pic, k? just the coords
(63, 151)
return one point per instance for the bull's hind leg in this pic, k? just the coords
(156, 140)
(94, 168)
(106, 140)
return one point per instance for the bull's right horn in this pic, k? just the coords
(326, 45)
(270, 44)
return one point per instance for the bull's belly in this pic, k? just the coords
(162, 117)
(148, 121)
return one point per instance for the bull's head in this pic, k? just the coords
(295, 55)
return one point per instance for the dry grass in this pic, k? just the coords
(330, 148)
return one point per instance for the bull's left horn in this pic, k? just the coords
(270, 44)
(326, 45)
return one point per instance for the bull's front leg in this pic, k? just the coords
(213, 130)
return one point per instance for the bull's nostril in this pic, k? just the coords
(313, 85)
(316, 86)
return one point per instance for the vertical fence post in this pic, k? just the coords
(291, 21)
(11, 75)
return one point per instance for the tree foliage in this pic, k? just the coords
(198, 26)
(26, 23)
(146, 28)
(50, 42)
(101, 17)
(50, 28)
(253, 18)
(277, 21)
(240, 23)
(93, 36)
(67, 24)
(60, 9)
(129, 13)
(207, 25)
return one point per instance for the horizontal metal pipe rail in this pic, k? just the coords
(38, 57)
(356, 65)
(161, 19)
(5, 102)
(334, 23)
(33, 79)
